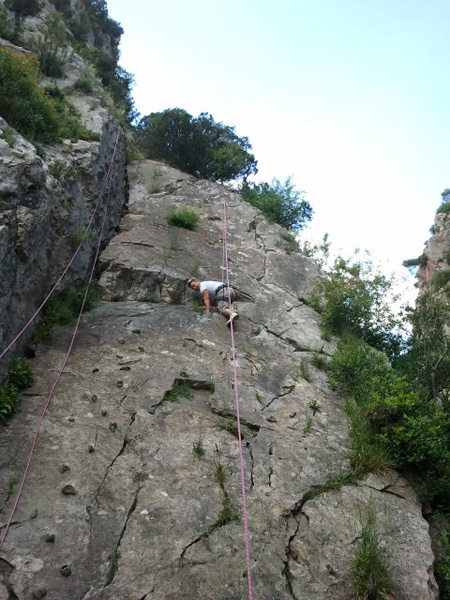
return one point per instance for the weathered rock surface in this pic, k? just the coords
(118, 506)
(42, 218)
(436, 254)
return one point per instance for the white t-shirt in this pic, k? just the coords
(211, 286)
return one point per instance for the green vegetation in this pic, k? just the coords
(305, 373)
(227, 514)
(440, 279)
(197, 447)
(288, 242)
(308, 426)
(52, 57)
(40, 114)
(9, 136)
(445, 205)
(19, 378)
(231, 426)
(24, 8)
(220, 471)
(180, 389)
(354, 300)
(281, 203)
(370, 573)
(183, 217)
(63, 308)
(198, 146)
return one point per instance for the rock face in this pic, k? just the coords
(436, 256)
(134, 490)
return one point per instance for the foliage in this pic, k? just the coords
(392, 420)
(198, 146)
(19, 378)
(445, 205)
(23, 103)
(7, 134)
(227, 514)
(440, 279)
(197, 447)
(63, 309)
(183, 217)
(427, 362)
(180, 389)
(280, 202)
(116, 80)
(371, 578)
(440, 524)
(231, 426)
(353, 299)
(40, 114)
(288, 242)
(7, 25)
(23, 8)
(52, 57)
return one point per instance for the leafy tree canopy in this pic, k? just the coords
(355, 299)
(280, 202)
(196, 145)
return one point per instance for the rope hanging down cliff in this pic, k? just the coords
(226, 279)
(107, 185)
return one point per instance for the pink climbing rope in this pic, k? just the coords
(69, 264)
(241, 457)
(66, 359)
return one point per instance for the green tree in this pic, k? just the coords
(280, 202)
(352, 298)
(198, 146)
(427, 362)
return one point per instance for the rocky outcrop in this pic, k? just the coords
(43, 217)
(436, 255)
(48, 194)
(134, 491)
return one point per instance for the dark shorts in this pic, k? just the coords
(222, 301)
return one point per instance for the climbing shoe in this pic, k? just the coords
(234, 317)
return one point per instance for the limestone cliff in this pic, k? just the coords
(119, 505)
(46, 203)
(434, 270)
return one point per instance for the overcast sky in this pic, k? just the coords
(349, 97)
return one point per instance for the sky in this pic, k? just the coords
(349, 98)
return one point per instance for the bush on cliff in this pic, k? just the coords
(280, 202)
(23, 103)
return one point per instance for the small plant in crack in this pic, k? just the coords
(370, 574)
(270, 449)
(319, 360)
(305, 373)
(12, 481)
(231, 426)
(314, 406)
(212, 386)
(197, 447)
(221, 472)
(308, 426)
(174, 242)
(180, 389)
(184, 372)
(227, 514)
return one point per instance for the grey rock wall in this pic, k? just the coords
(42, 218)
(118, 506)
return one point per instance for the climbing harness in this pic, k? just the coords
(226, 279)
(107, 185)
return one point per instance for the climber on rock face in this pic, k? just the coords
(216, 293)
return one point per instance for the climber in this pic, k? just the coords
(216, 292)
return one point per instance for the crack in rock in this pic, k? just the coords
(115, 555)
